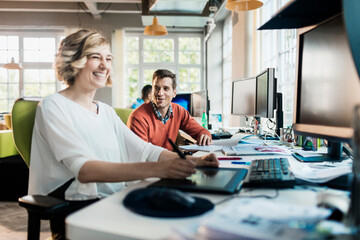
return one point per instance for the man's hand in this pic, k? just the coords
(204, 139)
(209, 160)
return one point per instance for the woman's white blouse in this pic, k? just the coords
(66, 135)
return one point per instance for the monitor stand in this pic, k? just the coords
(334, 154)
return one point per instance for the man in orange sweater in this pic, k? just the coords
(160, 119)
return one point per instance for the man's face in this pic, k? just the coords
(163, 93)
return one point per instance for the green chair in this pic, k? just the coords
(123, 113)
(39, 207)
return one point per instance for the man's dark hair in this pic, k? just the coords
(145, 91)
(163, 73)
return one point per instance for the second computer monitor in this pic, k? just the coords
(199, 103)
(265, 94)
(184, 100)
(243, 97)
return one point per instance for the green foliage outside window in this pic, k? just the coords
(189, 50)
(132, 50)
(158, 50)
(148, 73)
(133, 79)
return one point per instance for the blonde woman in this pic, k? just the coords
(81, 151)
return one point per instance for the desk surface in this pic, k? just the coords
(109, 219)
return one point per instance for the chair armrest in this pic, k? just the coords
(42, 204)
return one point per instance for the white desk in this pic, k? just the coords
(109, 219)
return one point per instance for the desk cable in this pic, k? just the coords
(249, 190)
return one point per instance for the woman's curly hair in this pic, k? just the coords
(73, 52)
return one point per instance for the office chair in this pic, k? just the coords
(39, 207)
(123, 113)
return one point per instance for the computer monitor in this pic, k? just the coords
(199, 103)
(243, 97)
(265, 94)
(184, 100)
(327, 88)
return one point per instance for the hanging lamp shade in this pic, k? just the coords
(242, 5)
(155, 29)
(13, 65)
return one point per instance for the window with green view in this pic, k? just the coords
(179, 53)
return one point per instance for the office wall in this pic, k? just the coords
(214, 68)
(244, 52)
(62, 21)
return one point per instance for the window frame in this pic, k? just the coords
(280, 49)
(57, 34)
(175, 66)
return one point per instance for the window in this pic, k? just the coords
(278, 50)
(179, 53)
(35, 51)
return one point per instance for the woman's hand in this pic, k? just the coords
(177, 168)
(209, 160)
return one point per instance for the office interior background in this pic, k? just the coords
(207, 46)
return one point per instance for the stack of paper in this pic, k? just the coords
(259, 219)
(320, 172)
(251, 149)
(216, 146)
(245, 147)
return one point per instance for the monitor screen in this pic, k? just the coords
(328, 86)
(198, 103)
(183, 99)
(265, 94)
(243, 97)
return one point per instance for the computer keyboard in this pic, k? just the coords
(221, 135)
(270, 173)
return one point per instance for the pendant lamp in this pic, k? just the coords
(242, 5)
(155, 29)
(13, 65)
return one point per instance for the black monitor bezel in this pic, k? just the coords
(271, 93)
(331, 133)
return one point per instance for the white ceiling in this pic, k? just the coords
(94, 7)
(171, 13)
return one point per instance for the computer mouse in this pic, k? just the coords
(214, 136)
(170, 199)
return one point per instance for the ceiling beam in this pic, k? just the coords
(69, 7)
(92, 7)
(75, 1)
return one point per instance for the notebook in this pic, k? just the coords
(212, 180)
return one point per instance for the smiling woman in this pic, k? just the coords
(80, 149)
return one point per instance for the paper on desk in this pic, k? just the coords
(256, 141)
(320, 172)
(228, 142)
(252, 149)
(206, 148)
(259, 219)
(216, 146)
(308, 153)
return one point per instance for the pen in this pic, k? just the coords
(177, 149)
(229, 158)
(243, 163)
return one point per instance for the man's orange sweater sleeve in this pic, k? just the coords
(190, 126)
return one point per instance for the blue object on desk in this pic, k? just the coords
(237, 162)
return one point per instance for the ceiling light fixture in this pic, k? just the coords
(13, 65)
(242, 5)
(155, 29)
